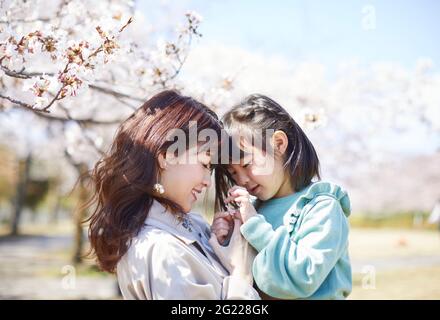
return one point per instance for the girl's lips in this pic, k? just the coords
(254, 189)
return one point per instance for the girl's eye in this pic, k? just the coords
(208, 166)
(246, 165)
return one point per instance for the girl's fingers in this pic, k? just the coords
(238, 191)
(234, 196)
(234, 188)
(229, 199)
(242, 200)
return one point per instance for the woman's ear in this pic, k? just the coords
(280, 142)
(162, 162)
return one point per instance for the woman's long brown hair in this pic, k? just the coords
(123, 179)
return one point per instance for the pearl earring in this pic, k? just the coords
(158, 188)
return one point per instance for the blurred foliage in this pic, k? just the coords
(7, 174)
(36, 191)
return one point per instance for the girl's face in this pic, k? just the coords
(185, 177)
(261, 174)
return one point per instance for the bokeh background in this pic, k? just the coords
(361, 77)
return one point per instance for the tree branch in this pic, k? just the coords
(23, 104)
(114, 93)
(28, 75)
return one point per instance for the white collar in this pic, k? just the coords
(182, 228)
(187, 230)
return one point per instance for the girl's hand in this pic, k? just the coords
(222, 226)
(242, 197)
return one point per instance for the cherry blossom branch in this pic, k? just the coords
(83, 131)
(21, 103)
(87, 121)
(28, 75)
(115, 93)
(70, 82)
(22, 74)
(26, 20)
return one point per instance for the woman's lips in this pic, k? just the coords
(194, 194)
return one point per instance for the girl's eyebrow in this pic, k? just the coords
(246, 160)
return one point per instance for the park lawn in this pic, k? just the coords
(406, 283)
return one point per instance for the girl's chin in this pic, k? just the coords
(261, 196)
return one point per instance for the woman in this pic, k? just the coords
(141, 227)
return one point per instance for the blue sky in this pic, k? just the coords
(323, 31)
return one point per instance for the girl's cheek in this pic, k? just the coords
(265, 168)
(256, 172)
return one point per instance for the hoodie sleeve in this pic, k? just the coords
(292, 266)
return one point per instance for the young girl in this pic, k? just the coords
(298, 227)
(141, 227)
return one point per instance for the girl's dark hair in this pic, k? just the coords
(123, 179)
(258, 112)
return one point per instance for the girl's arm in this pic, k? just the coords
(294, 266)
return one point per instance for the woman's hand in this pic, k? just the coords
(237, 257)
(242, 197)
(222, 226)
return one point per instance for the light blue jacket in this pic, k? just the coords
(302, 244)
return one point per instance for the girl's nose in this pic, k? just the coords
(243, 179)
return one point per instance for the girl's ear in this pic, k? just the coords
(280, 142)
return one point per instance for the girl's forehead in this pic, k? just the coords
(240, 144)
(198, 151)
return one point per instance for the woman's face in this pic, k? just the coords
(185, 177)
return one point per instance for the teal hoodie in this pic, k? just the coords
(302, 244)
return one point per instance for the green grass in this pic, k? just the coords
(411, 283)
(400, 220)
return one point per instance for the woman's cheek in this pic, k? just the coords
(194, 173)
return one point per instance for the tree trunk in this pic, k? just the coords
(23, 178)
(57, 207)
(80, 215)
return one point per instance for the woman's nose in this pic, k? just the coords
(207, 181)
